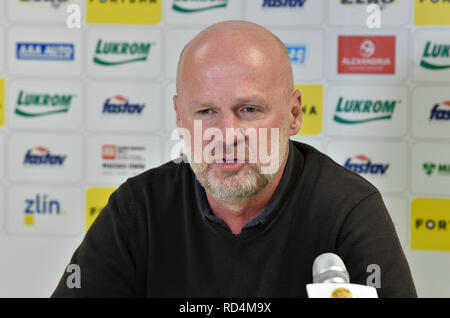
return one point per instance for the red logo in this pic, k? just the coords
(109, 152)
(366, 54)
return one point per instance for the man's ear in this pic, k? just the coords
(175, 107)
(295, 113)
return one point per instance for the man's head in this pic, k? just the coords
(237, 75)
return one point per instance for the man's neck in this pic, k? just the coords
(236, 215)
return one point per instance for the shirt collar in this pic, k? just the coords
(206, 211)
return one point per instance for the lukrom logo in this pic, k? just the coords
(436, 56)
(372, 110)
(214, 150)
(117, 53)
(35, 105)
(45, 3)
(192, 6)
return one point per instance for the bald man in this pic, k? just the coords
(232, 221)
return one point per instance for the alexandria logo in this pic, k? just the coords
(363, 165)
(35, 105)
(436, 56)
(441, 111)
(192, 6)
(41, 156)
(363, 111)
(117, 53)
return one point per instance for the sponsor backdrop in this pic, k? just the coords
(85, 102)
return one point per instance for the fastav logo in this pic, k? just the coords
(36, 105)
(41, 156)
(46, 3)
(363, 165)
(45, 51)
(297, 53)
(117, 53)
(435, 56)
(366, 54)
(440, 112)
(40, 205)
(363, 111)
(283, 3)
(192, 6)
(120, 105)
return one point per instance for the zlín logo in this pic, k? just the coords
(366, 54)
(40, 205)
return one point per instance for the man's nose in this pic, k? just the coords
(232, 130)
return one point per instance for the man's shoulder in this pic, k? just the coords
(329, 177)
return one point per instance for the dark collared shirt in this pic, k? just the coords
(260, 219)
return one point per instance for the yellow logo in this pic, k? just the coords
(312, 107)
(2, 102)
(430, 224)
(431, 12)
(341, 292)
(96, 199)
(124, 11)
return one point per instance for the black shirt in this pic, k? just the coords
(152, 240)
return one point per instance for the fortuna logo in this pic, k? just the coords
(45, 51)
(436, 52)
(192, 6)
(372, 110)
(440, 111)
(363, 165)
(297, 53)
(41, 156)
(121, 106)
(283, 3)
(116, 53)
(34, 105)
(54, 3)
(442, 169)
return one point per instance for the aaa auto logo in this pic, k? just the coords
(366, 54)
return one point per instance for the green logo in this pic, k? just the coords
(192, 6)
(117, 53)
(363, 111)
(431, 167)
(434, 52)
(35, 105)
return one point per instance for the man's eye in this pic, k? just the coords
(205, 111)
(249, 109)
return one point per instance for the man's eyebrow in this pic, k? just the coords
(252, 100)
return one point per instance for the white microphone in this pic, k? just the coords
(331, 280)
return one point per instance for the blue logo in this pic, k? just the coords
(41, 156)
(121, 106)
(41, 205)
(45, 51)
(441, 111)
(297, 53)
(283, 3)
(363, 165)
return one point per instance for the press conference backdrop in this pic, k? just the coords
(84, 107)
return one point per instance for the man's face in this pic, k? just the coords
(242, 96)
